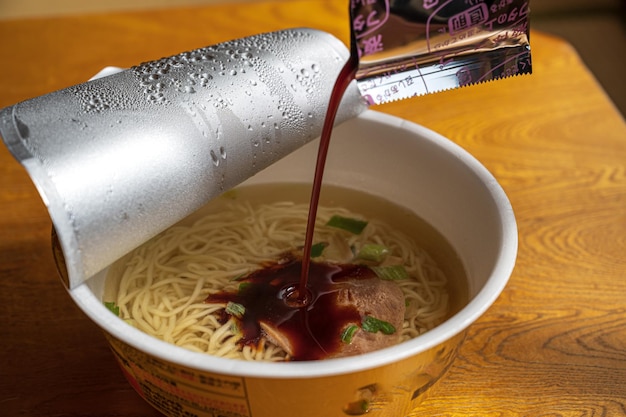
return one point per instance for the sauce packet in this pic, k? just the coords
(410, 48)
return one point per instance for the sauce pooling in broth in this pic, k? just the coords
(312, 330)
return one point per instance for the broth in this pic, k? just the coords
(367, 206)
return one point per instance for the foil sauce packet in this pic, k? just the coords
(409, 48)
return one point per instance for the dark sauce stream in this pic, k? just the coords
(300, 296)
(346, 75)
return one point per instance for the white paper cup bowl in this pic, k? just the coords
(385, 156)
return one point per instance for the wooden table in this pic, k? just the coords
(553, 344)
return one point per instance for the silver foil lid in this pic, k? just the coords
(120, 158)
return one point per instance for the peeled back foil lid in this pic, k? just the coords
(120, 158)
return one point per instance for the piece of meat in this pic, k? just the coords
(277, 337)
(371, 296)
(383, 300)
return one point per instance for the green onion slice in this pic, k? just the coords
(235, 309)
(373, 325)
(390, 272)
(317, 249)
(373, 252)
(113, 308)
(244, 286)
(348, 333)
(351, 225)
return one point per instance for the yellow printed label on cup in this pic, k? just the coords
(179, 391)
(391, 390)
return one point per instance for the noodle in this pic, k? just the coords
(165, 282)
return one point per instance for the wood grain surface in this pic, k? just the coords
(554, 343)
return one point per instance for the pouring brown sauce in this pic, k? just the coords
(346, 75)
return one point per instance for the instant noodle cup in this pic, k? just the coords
(387, 157)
